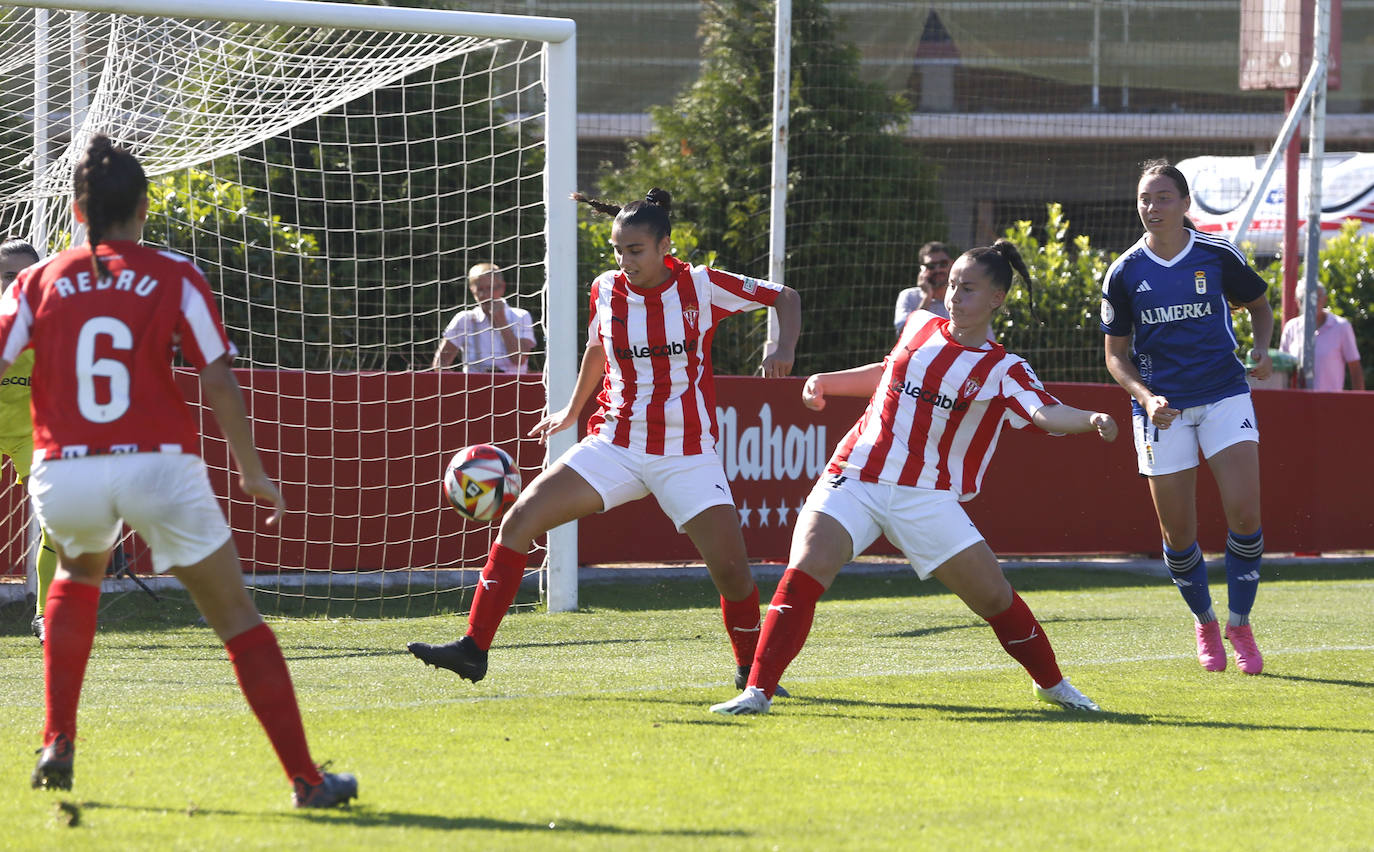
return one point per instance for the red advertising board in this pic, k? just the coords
(360, 457)
(1042, 495)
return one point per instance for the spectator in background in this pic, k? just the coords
(494, 337)
(1334, 351)
(929, 292)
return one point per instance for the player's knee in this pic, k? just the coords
(521, 525)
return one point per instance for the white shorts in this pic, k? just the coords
(684, 485)
(1211, 428)
(166, 497)
(928, 526)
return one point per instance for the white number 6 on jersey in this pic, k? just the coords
(88, 368)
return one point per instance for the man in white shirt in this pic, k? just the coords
(494, 337)
(1334, 351)
(931, 281)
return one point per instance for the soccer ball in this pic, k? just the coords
(481, 482)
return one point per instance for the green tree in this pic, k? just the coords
(1347, 271)
(244, 252)
(331, 256)
(1061, 339)
(860, 200)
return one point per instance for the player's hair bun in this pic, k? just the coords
(660, 198)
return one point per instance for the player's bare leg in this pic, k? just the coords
(555, 497)
(1175, 499)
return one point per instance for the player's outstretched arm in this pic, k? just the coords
(788, 308)
(588, 379)
(857, 381)
(1065, 419)
(222, 394)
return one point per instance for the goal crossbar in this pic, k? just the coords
(341, 15)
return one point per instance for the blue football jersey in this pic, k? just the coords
(1178, 314)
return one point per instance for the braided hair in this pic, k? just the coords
(108, 185)
(652, 212)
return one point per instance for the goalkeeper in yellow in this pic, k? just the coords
(16, 423)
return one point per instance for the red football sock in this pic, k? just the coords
(495, 593)
(785, 628)
(70, 617)
(742, 625)
(1023, 637)
(266, 683)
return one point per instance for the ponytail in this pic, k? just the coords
(108, 185)
(653, 212)
(1000, 260)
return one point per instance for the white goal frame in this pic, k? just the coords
(559, 46)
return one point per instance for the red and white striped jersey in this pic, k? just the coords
(935, 418)
(102, 375)
(659, 393)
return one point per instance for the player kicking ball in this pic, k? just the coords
(648, 363)
(938, 403)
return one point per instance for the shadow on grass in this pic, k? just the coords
(365, 816)
(1358, 684)
(978, 624)
(901, 710)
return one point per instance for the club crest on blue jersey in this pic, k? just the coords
(1200, 281)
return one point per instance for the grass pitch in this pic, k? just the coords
(909, 729)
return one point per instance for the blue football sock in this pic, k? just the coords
(1243, 554)
(1189, 572)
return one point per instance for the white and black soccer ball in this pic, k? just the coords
(481, 482)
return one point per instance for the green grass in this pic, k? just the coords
(910, 728)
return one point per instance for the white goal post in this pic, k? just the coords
(264, 124)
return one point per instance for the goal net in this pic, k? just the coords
(335, 181)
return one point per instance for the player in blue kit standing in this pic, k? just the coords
(1166, 312)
